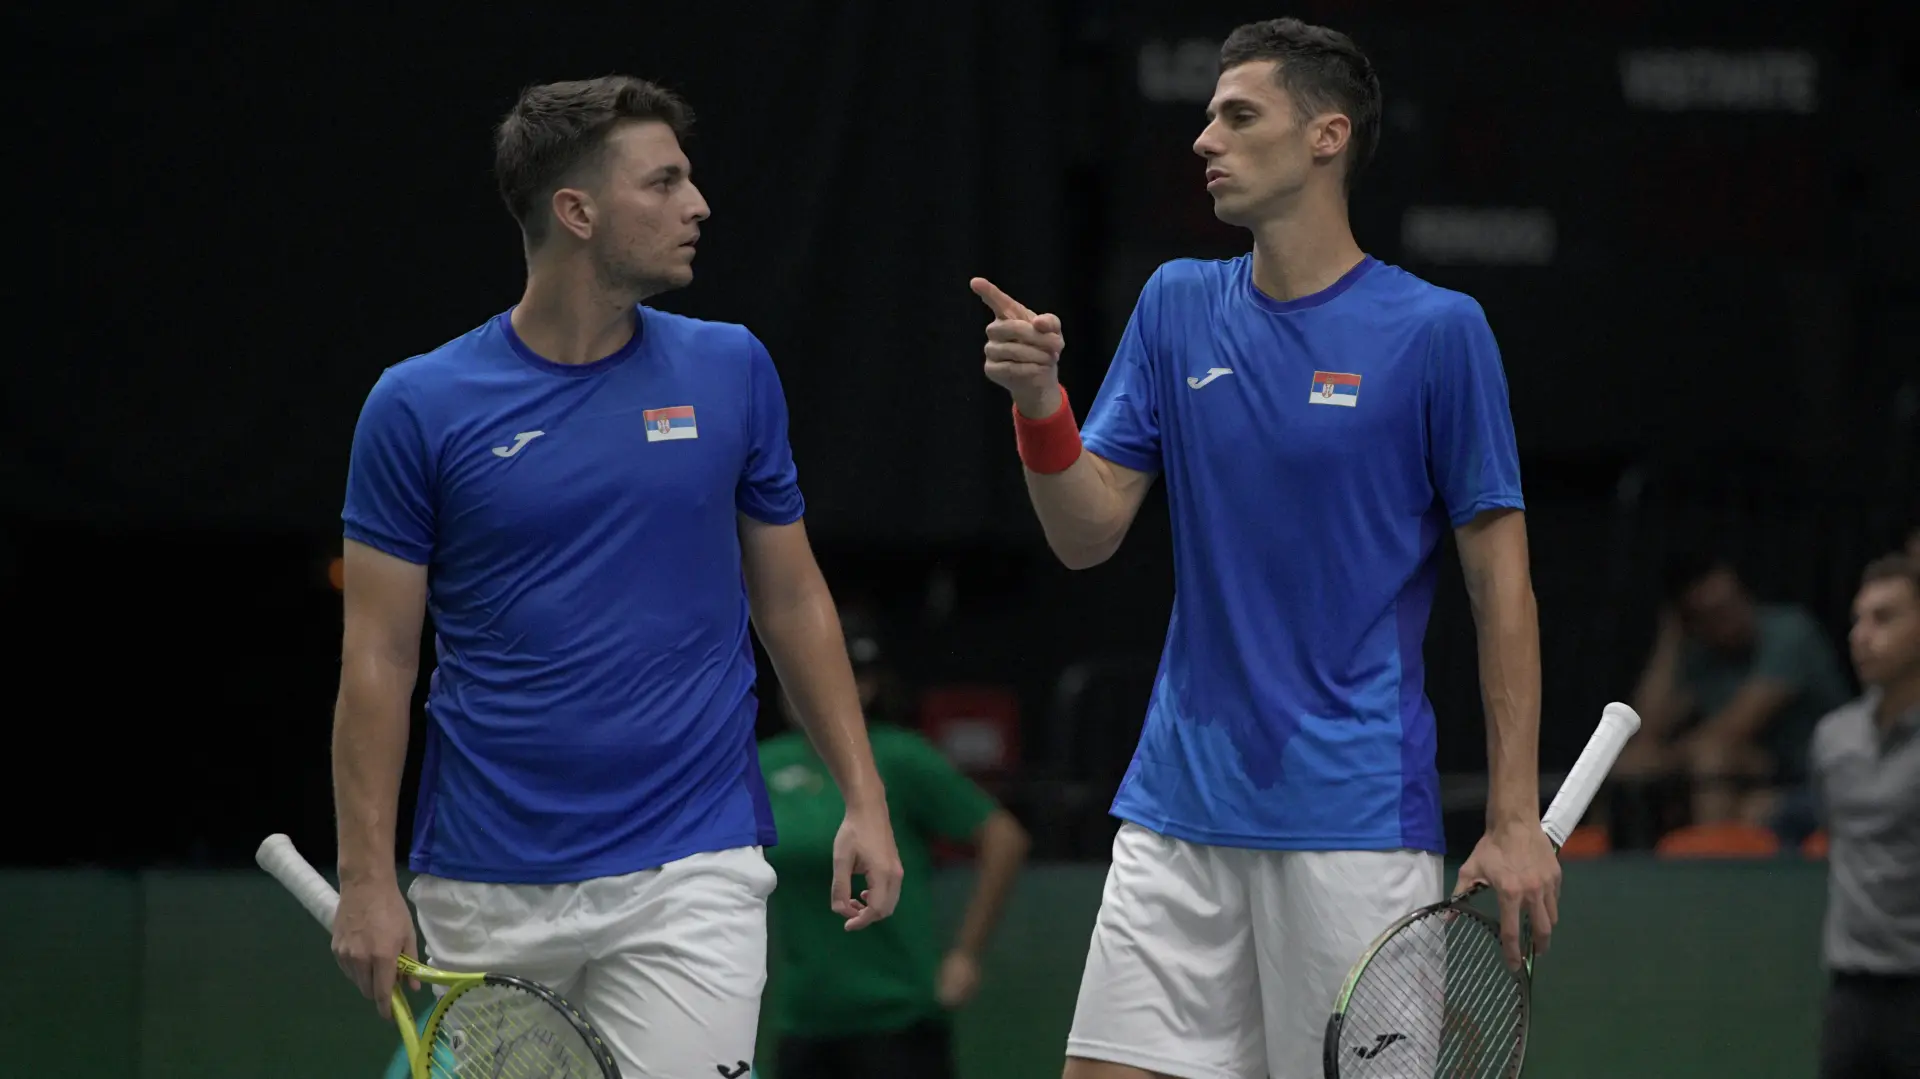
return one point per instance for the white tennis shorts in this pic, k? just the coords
(669, 963)
(1223, 963)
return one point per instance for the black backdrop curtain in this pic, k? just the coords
(258, 211)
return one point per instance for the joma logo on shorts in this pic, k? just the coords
(1379, 1045)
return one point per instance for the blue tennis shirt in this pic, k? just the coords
(1314, 453)
(592, 712)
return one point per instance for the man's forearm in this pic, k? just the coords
(1508, 626)
(1080, 509)
(803, 639)
(1003, 847)
(1732, 726)
(1752, 708)
(370, 724)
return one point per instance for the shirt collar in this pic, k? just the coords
(1903, 726)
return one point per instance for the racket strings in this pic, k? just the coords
(1479, 997)
(1485, 994)
(504, 1032)
(1436, 1000)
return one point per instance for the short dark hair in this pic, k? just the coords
(1686, 568)
(1892, 567)
(1319, 69)
(556, 128)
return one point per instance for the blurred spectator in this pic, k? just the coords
(1866, 772)
(1730, 694)
(877, 1003)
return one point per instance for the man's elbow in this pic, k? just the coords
(1090, 548)
(1003, 833)
(378, 655)
(1083, 556)
(796, 603)
(371, 677)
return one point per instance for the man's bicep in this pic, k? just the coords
(1490, 542)
(777, 560)
(1473, 453)
(384, 604)
(1129, 486)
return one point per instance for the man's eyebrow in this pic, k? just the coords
(1229, 103)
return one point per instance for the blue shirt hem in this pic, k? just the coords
(404, 550)
(1208, 837)
(1100, 447)
(1479, 506)
(769, 515)
(613, 865)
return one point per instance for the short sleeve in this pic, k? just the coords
(1472, 455)
(1123, 424)
(1789, 651)
(1817, 758)
(938, 799)
(390, 490)
(769, 488)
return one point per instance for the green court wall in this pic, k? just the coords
(1687, 970)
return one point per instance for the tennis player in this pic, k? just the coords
(1323, 420)
(1866, 778)
(595, 498)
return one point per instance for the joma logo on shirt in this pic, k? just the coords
(519, 442)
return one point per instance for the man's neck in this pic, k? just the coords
(1305, 248)
(566, 315)
(1897, 698)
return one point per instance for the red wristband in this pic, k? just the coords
(1049, 445)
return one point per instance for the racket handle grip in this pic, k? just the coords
(1618, 722)
(278, 857)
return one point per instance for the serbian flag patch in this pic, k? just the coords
(1335, 388)
(670, 423)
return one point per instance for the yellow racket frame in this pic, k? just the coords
(278, 857)
(416, 1037)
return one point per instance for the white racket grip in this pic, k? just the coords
(1618, 723)
(277, 856)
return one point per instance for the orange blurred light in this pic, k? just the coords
(337, 574)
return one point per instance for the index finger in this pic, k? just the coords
(384, 976)
(1540, 920)
(411, 951)
(1002, 305)
(842, 895)
(1510, 930)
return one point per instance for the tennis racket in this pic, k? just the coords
(1433, 996)
(484, 1024)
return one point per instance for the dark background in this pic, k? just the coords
(227, 224)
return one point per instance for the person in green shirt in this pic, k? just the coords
(876, 1003)
(1731, 693)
